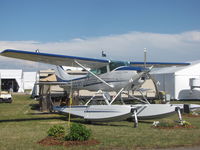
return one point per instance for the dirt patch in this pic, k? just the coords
(49, 141)
(177, 127)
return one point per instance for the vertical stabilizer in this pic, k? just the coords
(63, 76)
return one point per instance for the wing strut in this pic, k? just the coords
(111, 86)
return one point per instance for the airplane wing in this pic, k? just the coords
(55, 59)
(65, 60)
(159, 64)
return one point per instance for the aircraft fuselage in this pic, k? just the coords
(121, 77)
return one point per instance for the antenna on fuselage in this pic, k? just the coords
(145, 57)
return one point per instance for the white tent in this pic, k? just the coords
(13, 75)
(29, 79)
(179, 81)
(17, 80)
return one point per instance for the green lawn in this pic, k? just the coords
(22, 126)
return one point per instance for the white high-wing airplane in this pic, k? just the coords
(104, 76)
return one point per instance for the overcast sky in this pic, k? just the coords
(169, 29)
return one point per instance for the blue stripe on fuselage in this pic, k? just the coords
(60, 80)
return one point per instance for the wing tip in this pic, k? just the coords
(8, 50)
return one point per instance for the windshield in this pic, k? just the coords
(99, 70)
(115, 64)
(112, 66)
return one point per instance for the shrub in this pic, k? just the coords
(185, 123)
(78, 132)
(56, 131)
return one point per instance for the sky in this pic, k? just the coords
(169, 29)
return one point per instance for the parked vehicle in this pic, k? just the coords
(5, 97)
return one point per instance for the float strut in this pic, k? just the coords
(134, 111)
(178, 110)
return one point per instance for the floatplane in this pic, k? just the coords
(103, 76)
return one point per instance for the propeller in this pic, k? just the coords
(138, 80)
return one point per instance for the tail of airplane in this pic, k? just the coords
(63, 76)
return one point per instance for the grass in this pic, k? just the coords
(22, 127)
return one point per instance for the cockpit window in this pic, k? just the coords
(100, 70)
(112, 65)
(116, 64)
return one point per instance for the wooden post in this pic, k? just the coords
(43, 98)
